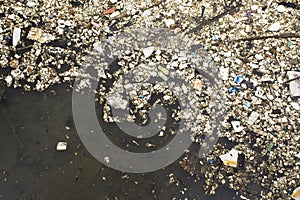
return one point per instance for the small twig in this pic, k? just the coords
(283, 36)
(294, 79)
(229, 11)
(24, 47)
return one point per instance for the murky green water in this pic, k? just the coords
(37, 171)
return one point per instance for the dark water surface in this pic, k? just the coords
(31, 124)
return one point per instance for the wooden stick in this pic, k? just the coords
(283, 36)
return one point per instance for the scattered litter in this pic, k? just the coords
(230, 158)
(281, 8)
(109, 11)
(238, 79)
(275, 27)
(224, 72)
(294, 84)
(37, 34)
(16, 36)
(253, 117)
(296, 194)
(148, 51)
(295, 105)
(61, 146)
(96, 25)
(169, 22)
(236, 125)
(107, 160)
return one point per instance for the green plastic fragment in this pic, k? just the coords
(270, 146)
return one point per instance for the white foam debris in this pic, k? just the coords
(16, 36)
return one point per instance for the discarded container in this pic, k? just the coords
(61, 146)
(230, 158)
(296, 194)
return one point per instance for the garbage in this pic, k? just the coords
(61, 146)
(107, 160)
(295, 105)
(270, 146)
(238, 79)
(148, 51)
(169, 22)
(96, 25)
(16, 36)
(252, 118)
(294, 86)
(281, 8)
(275, 27)
(296, 194)
(236, 125)
(37, 34)
(230, 158)
(224, 72)
(109, 11)
(261, 44)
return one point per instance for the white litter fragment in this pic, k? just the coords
(295, 84)
(230, 158)
(236, 125)
(295, 105)
(30, 4)
(274, 27)
(259, 57)
(37, 34)
(16, 36)
(8, 79)
(227, 54)
(253, 117)
(224, 73)
(281, 8)
(113, 1)
(148, 51)
(106, 160)
(61, 146)
(116, 101)
(169, 22)
(296, 194)
(114, 14)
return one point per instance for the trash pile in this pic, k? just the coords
(254, 44)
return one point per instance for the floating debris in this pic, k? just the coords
(148, 51)
(109, 11)
(236, 125)
(61, 146)
(230, 158)
(37, 34)
(275, 27)
(16, 36)
(238, 79)
(107, 160)
(294, 76)
(253, 117)
(296, 194)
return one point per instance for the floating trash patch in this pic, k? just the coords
(155, 72)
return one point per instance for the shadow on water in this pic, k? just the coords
(35, 170)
